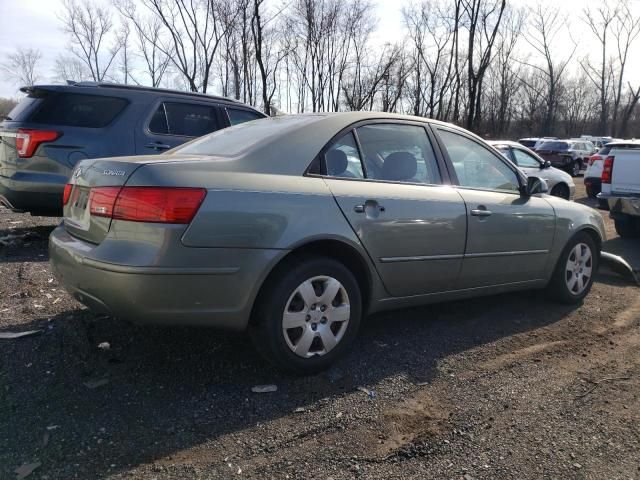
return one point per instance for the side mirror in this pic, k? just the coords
(546, 164)
(536, 185)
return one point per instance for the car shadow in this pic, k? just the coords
(154, 391)
(25, 244)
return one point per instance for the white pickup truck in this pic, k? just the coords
(621, 188)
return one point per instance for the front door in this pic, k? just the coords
(387, 182)
(509, 235)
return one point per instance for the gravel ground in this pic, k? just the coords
(509, 386)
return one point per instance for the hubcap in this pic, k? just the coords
(579, 268)
(316, 316)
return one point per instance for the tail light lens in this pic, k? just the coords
(66, 194)
(27, 140)
(593, 158)
(102, 200)
(607, 168)
(147, 204)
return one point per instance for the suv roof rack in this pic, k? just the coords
(149, 89)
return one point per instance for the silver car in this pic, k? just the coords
(295, 228)
(559, 182)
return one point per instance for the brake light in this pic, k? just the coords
(147, 204)
(607, 169)
(66, 194)
(27, 140)
(593, 158)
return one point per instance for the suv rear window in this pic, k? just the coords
(78, 110)
(554, 146)
(240, 116)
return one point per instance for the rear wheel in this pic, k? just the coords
(627, 227)
(573, 276)
(576, 166)
(307, 315)
(560, 190)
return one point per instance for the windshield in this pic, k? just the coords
(235, 140)
(553, 146)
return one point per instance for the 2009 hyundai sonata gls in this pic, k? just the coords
(295, 227)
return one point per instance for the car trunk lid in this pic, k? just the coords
(625, 176)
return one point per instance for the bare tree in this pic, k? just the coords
(22, 66)
(90, 28)
(70, 68)
(542, 37)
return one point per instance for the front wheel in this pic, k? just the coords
(307, 315)
(561, 190)
(576, 267)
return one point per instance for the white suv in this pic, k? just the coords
(621, 186)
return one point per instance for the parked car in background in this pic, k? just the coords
(55, 126)
(621, 186)
(560, 183)
(593, 174)
(567, 155)
(529, 142)
(296, 227)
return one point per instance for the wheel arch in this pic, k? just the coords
(337, 249)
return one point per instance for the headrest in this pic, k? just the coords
(399, 166)
(336, 161)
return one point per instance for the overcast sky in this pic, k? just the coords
(33, 23)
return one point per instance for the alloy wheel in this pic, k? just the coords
(579, 268)
(316, 316)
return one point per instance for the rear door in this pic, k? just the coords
(172, 122)
(388, 184)
(509, 235)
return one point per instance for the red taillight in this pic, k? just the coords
(27, 140)
(593, 158)
(102, 200)
(607, 168)
(66, 194)
(147, 204)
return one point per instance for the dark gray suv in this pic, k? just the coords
(56, 126)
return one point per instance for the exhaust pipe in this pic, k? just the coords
(620, 266)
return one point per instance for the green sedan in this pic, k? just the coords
(296, 228)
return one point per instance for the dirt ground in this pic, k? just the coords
(509, 386)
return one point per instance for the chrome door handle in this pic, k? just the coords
(158, 146)
(370, 204)
(480, 212)
(358, 209)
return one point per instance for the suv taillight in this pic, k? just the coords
(27, 140)
(147, 204)
(607, 168)
(66, 194)
(593, 158)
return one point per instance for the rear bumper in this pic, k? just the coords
(40, 193)
(218, 296)
(620, 205)
(593, 182)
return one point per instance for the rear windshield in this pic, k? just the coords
(78, 110)
(235, 140)
(20, 111)
(553, 146)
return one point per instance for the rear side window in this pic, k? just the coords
(184, 119)
(20, 111)
(554, 146)
(240, 116)
(343, 159)
(78, 110)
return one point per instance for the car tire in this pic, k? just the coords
(573, 276)
(591, 192)
(575, 168)
(561, 190)
(313, 341)
(627, 227)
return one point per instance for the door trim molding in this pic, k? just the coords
(461, 256)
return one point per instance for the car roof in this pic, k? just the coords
(126, 90)
(621, 143)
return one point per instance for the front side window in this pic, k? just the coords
(398, 153)
(476, 166)
(523, 159)
(184, 119)
(241, 116)
(343, 159)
